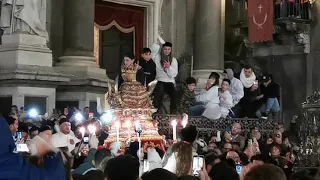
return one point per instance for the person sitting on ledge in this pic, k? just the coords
(269, 95)
(167, 70)
(208, 101)
(187, 95)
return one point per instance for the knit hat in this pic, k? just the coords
(44, 128)
(167, 44)
(189, 134)
(123, 167)
(63, 120)
(129, 55)
(266, 77)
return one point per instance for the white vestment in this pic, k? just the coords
(64, 140)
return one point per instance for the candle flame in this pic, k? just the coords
(117, 124)
(174, 123)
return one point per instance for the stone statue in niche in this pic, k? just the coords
(23, 16)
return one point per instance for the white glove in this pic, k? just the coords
(114, 148)
(161, 40)
(201, 143)
(93, 142)
(38, 146)
(218, 139)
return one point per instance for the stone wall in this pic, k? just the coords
(55, 27)
(177, 26)
(291, 73)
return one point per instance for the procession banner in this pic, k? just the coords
(260, 20)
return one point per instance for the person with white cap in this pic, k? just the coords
(64, 138)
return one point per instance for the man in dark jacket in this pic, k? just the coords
(148, 66)
(269, 95)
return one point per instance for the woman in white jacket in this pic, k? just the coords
(209, 100)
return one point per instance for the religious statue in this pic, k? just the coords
(23, 16)
(132, 105)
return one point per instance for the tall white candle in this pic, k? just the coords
(185, 120)
(117, 124)
(174, 129)
(82, 131)
(116, 88)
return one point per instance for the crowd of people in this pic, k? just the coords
(242, 95)
(64, 146)
(59, 149)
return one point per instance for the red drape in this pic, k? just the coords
(125, 16)
(260, 20)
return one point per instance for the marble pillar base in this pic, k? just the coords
(24, 49)
(202, 76)
(77, 61)
(18, 94)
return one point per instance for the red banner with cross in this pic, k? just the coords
(260, 20)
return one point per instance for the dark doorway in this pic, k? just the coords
(37, 103)
(5, 105)
(113, 45)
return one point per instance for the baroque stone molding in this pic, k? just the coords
(153, 9)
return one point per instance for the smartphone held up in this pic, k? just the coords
(197, 164)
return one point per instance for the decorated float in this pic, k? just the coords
(129, 113)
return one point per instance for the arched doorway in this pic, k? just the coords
(120, 29)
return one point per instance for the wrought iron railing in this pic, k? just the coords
(309, 134)
(208, 127)
(284, 11)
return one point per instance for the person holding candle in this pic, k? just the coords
(178, 157)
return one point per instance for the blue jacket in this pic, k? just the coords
(15, 167)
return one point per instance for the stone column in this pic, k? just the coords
(209, 39)
(313, 63)
(78, 35)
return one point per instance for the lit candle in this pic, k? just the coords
(82, 131)
(92, 129)
(109, 88)
(117, 124)
(116, 88)
(174, 129)
(184, 120)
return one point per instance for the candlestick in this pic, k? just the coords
(117, 124)
(174, 129)
(185, 120)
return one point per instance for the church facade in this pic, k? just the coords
(86, 40)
